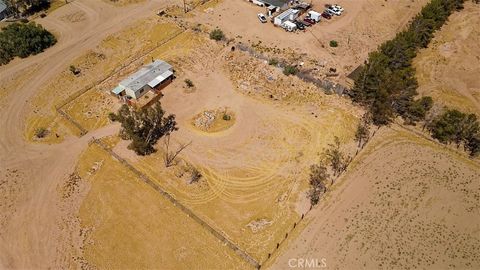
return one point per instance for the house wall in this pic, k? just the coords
(137, 94)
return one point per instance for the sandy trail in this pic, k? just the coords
(31, 236)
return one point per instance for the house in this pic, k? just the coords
(288, 15)
(152, 77)
(3, 10)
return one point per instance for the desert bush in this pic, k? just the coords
(74, 70)
(273, 61)
(318, 180)
(290, 70)
(226, 117)
(333, 43)
(217, 34)
(22, 40)
(41, 132)
(195, 175)
(189, 83)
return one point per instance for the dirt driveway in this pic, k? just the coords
(30, 219)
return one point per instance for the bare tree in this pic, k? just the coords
(170, 156)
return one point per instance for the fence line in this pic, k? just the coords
(77, 94)
(295, 224)
(179, 205)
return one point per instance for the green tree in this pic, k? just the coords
(20, 39)
(336, 158)
(363, 132)
(145, 126)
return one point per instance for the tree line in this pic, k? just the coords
(26, 7)
(387, 86)
(22, 40)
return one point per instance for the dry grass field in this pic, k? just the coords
(405, 203)
(128, 225)
(449, 69)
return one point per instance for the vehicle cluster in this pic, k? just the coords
(294, 21)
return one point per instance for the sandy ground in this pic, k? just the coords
(404, 204)
(44, 225)
(34, 232)
(448, 70)
(353, 30)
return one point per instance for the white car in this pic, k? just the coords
(340, 8)
(334, 11)
(262, 17)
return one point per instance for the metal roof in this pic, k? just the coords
(146, 75)
(276, 3)
(287, 14)
(3, 6)
(160, 78)
(117, 90)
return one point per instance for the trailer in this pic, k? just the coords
(314, 15)
(288, 15)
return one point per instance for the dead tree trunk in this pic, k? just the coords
(169, 157)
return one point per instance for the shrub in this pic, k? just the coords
(112, 117)
(333, 43)
(217, 34)
(189, 83)
(74, 70)
(273, 62)
(290, 70)
(226, 117)
(195, 175)
(41, 132)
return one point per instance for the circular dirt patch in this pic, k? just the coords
(214, 120)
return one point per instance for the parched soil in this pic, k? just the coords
(448, 70)
(405, 203)
(64, 209)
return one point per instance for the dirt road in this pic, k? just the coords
(32, 233)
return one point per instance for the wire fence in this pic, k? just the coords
(219, 235)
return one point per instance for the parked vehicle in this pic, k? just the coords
(326, 15)
(307, 24)
(289, 26)
(314, 15)
(300, 25)
(262, 17)
(340, 8)
(334, 10)
(309, 20)
(329, 12)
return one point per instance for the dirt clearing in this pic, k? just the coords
(405, 203)
(449, 69)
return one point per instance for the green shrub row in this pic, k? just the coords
(387, 84)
